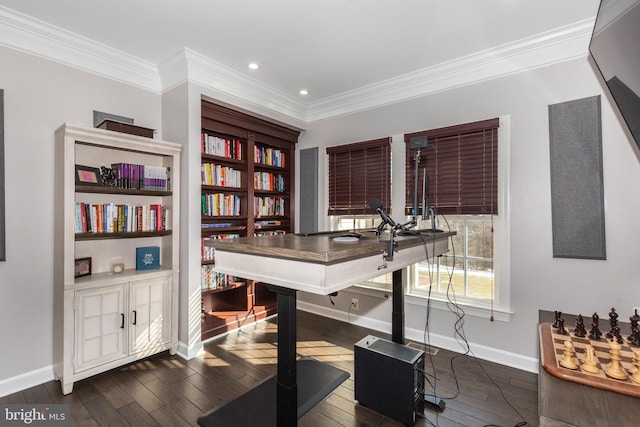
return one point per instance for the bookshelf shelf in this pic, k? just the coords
(122, 235)
(121, 191)
(263, 153)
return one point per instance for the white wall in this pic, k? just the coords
(538, 281)
(38, 97)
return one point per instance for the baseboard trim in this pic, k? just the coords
(480, 351)
(27, 380)
(189, 352)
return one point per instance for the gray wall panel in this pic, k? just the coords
(577, 192)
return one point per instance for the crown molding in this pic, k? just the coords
(561, 44)
(189, 65)
(41, 39)
(38, 38)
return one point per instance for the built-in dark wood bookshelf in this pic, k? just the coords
(247, 190)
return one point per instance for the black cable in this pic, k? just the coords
(459, 333)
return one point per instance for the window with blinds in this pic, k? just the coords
(462, 167)
(358, 174)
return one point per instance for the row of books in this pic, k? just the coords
(212, 279)
(141, 177)
(268, 156)
(270, 233)
(116, 218)
(268, 181)
(207, 251)
(267, 223)
(223, 147)
(223, 176)
(220, 204)
(268, 206)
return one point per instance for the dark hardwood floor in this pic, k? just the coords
(166, 390)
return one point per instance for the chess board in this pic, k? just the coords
(552, 352)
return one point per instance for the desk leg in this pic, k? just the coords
(397, 314)
(287, 387)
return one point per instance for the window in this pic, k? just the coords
(358, 174)
(467, 269)
(464, 189)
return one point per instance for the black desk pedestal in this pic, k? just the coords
(282, 399)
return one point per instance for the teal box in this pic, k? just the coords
(148, 258)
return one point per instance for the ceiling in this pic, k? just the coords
(329, 47)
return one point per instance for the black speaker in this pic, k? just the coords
(389, 378)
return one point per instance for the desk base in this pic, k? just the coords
(258, 406)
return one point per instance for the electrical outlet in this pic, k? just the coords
(355, 304)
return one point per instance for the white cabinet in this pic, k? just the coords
(121, 320)
(100, 325)
(103, 320)
(150, 322)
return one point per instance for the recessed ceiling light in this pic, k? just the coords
(303, 92)
(253, 66)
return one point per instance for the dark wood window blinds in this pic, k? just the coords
(358, 174)
(462, 167)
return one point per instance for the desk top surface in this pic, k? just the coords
(322, 247)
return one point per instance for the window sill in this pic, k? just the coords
(485, 312)
(500, 314)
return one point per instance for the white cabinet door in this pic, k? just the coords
(100, 324)
(150, 316)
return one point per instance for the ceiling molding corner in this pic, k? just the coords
(38, 38)
(212, 74)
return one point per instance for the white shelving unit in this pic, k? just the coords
(104, 320)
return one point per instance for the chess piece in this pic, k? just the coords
(568, 361)
(615, 370)
(634, 338)
(557, 316)
(561, 329)
(590, 363)
(615, 332)
(579, 331)
(595, 331)
(613, 322)
(636, 362)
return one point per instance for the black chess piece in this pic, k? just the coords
(561, 329)
(557, 317)
(579, 331)
(595, 331)
(634, 338)
(613, 322)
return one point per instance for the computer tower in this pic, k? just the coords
(389, 378)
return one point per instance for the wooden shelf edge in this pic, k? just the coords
(221, 159)
(121, 191)
(226, 288)
(124, 235)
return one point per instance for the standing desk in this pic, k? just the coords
(321, 265)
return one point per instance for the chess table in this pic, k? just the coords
(577, 397)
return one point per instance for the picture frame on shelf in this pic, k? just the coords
(88, 175)
(82, 267)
